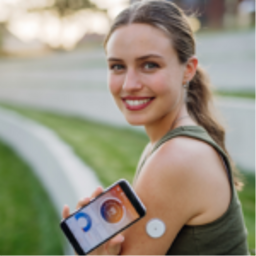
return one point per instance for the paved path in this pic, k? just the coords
(228, 57)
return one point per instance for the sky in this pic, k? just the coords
(46, 27)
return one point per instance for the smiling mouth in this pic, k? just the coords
(137, 104)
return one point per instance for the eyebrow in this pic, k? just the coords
(140, 58)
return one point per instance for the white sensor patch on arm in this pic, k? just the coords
(155, 228)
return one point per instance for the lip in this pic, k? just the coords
(139, 106)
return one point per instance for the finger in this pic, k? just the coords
(97, 192)
(99, 251)
(82, 202)
(118, 239)
(114, 246)
(65, 211)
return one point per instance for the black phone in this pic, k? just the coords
(117, 208)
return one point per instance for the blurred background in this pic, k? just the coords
(53, 76)
(43, 25)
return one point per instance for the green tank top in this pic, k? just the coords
(225, 236)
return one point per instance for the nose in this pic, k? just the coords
(131, 81)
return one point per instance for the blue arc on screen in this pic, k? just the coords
(88, 219)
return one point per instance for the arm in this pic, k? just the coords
(164, 186)
(183, 182)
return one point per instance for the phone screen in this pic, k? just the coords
(102, 218)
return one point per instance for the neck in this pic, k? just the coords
(159, 128)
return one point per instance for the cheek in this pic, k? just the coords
(159, 83)
(114, 84)
(167, 82)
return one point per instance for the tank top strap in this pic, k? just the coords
(196, 132)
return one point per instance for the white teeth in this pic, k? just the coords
(137, 102)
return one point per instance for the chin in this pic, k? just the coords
(135, 121)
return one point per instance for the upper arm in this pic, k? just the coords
(164, 187)
(182, 182)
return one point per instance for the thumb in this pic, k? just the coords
(65, 211)
(114, 246)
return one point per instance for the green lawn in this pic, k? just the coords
(113, 153)
(236, 94)
(28, 222)
(247, 197)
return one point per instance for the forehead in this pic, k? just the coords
(137, 40)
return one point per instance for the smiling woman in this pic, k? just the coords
(185, 177)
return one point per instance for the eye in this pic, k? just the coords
(116, 67)
(150, 65)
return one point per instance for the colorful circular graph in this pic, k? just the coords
(112, 211)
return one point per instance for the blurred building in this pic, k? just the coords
(219, 13)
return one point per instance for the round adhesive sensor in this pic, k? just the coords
(155, 228)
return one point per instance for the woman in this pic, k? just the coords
(184, 175)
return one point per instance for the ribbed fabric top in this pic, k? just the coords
(225, 236)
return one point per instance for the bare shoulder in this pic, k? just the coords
(197, 173)
(186, 157)
(183, 182)
(181, 165)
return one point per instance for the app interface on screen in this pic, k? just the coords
(102, 218)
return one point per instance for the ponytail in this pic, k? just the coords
(200, 107)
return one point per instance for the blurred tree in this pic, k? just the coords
(65, 8)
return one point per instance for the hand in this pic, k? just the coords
(111, 247)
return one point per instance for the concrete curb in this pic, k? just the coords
(65, 177)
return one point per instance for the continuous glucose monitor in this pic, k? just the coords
(155, 228)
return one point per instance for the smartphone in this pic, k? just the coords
(117, 208)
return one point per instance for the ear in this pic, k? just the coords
(190, 69)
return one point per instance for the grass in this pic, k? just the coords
(113, 153)
(236, 94)
(207, 32)
(28, 222)
(247, 197)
